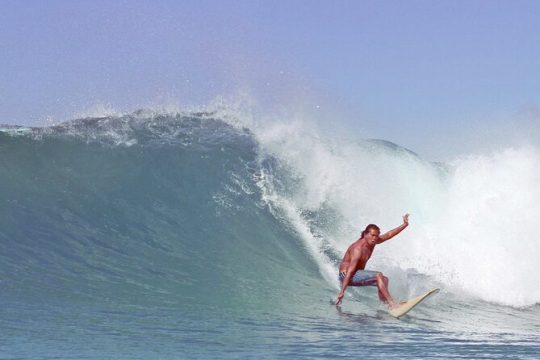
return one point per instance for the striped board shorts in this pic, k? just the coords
(361, 278)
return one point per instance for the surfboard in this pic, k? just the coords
(404, 308)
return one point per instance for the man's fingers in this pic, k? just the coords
(339, 298)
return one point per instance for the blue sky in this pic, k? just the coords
(439, 77)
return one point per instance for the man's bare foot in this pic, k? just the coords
(393, 304)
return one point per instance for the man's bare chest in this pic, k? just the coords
(365, 254)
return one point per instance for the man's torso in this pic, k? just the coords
(365, 254)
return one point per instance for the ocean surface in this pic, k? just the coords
(193, 236)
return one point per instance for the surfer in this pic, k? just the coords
(351, 269)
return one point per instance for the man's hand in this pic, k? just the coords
(339, 298)
(406, 219)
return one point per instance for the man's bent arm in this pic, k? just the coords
(394, 232)
(350, 272)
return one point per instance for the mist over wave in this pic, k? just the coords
(90, 198)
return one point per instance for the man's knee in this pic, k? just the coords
(380, 276)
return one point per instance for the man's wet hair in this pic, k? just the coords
(369, 227)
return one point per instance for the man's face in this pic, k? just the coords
(372, 236)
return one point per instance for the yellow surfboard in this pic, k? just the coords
(404, 308)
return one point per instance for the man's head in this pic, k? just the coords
(371, 234)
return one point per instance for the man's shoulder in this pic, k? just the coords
(356, 247)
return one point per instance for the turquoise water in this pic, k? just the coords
(183, 236)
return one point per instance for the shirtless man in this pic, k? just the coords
(351, 269)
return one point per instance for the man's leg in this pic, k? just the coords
(372, 278)
(382, 286)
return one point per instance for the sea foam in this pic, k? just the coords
(473, 224)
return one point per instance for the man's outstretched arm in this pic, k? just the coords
(394, 232)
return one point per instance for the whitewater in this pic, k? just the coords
(160, 234)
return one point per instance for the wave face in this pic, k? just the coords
(189, 210)
(151, 210)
